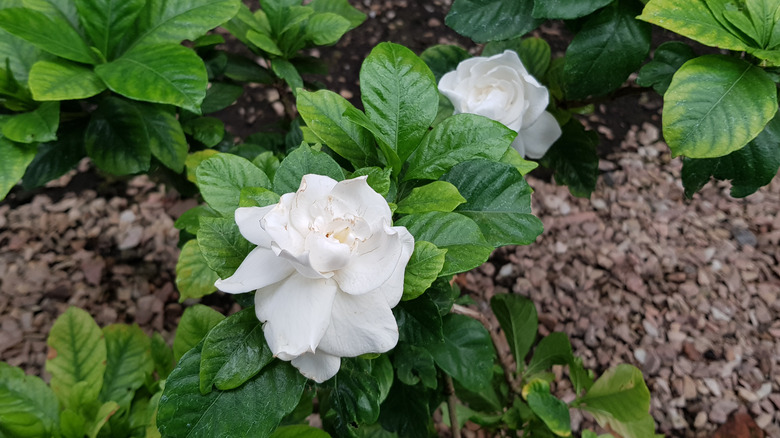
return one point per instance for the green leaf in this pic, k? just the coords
(492, 20)
(107, 21)
(72, 424)
(376, 177)
(355, 393)
(574, 159)
(117, 138)
(20, 54)
(748, 168)
(60, 38)
(268, 163)
(399, 96)
(27, 406)
(128, 363)
(668, 58)
(498, 200)
(323, 113)
(166, 137)
(242, 69)
(610, 41)
(460, 236)
(221, 178)
(340, 7)
(693, 20)
(535, 53)
(406, 411)
(184, 411)
(620, 393)
(419, 322)
(63, 80)
(162, 356)
(194, 278)
(55, 158)
(467, 352)
(553, 349)
(172, 21)
(415, 364)
(161, 73)
(104, 412)
(552, 410)
(299, 431)
(264, 42)
(222, 245)
(326, 28)
(423, 268)
(77, 355)
(189, 221)
(35, 126)
(195, 323)
(285, 70)
(458, 138)
(14, 159)
(257, 197)
(208, 130)
(517, 317)
(579, 376)
(219, 96)
(443, 58)
(233, 352)
(715, 105)
(513, 158)
(567, 9)
(302, 161)
(435, 196)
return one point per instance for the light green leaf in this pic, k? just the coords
(233, 352)
(184, 411)
(460, 236)
(299, 431)
(194, 278)
(162, 73)
(399, 96)
(77, 356)
(104, 412)
(221, 178)
(27, 406)
(107, 21)
(268, 163)
(162, 356)
(498, 199)
(668, 58)
(60, 38)
(340, 7)
(326, 28)
(620, 393)
(435, 196)
(553, 349)
(264, 42)
(35, 126)
(118, 138)
(517, 317)
(128, 363)
(376, 177)
(172, 21)
(195, 323)
(257, 197)
(467, 352)
(492, 20)
(443, 58)
(513, 158)
(323, 113)
(72, 424)
(692, 19)
(14, 159)
(302, 161)
(574, 159)
(458, 138)
(535, 53)
(552, 410)
(423, 268)
(222, 245)
(20, 54)
(63, 80)
(611, 41)
(567, 9)
(715, 105)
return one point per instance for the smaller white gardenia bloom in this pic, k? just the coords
(500, 88)
(328, 267)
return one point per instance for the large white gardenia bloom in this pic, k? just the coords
(328, 267)
(500, 88)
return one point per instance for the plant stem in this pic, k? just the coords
(451, 401)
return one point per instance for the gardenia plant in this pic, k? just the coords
(328, 268)
(501, 88)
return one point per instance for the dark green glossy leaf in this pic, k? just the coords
(553, 349)
(399, 96)
(221, 178)
(300, 162)
(14, 159)
(517, 317)
(63, 80)
(355, 393)
(189, 221)
(242, 69)
(166, 137)
(195, 323)
(285, 70)
(222, 245)
(467, 351)
(60, 38)
(55, 158)
(176, 20)
(128, 363)
(299, 431)
(574, 159)
(423, 268)
(27, 406)
(443, 58)
(567, 9)
(208, 130)
(233, 352)
(498, 199)
(406, 411)
(535, 53)
(35, 126)
(419, 322)
(194, 278)
(415, 364)
(492, 20)
(219, 96)
(668, 58)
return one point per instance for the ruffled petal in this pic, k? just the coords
(296, 313)
(359, 324)
(355, 197)
(302, 264)
(393, 288)
(372, 264)
(317, 366)
(326, 254)
(248, 221)
(260, 268)
(538, 137)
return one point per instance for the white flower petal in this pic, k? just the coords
(302, 264)
(393, 288)
(277, 224)
(538, 137)
(260, 268)
(536, 98)
(296, 313)
(317, 366)
(359, 324)
(357, 198)
(248, 221)
(326, 254)
(372, 265)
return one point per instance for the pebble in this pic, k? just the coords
(721, 410)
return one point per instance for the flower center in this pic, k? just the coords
(341, 235)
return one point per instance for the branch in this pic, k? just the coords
(451, 401)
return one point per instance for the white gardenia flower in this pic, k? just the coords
(328, 267)
(500, 88)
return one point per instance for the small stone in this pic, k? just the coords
(747, 395)
(721, 410)
(650, 328)
(763, 420)
(700, 421)
(713, 386)
(689, 388)
(744, 236)
(641, 355)
(719, 315)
